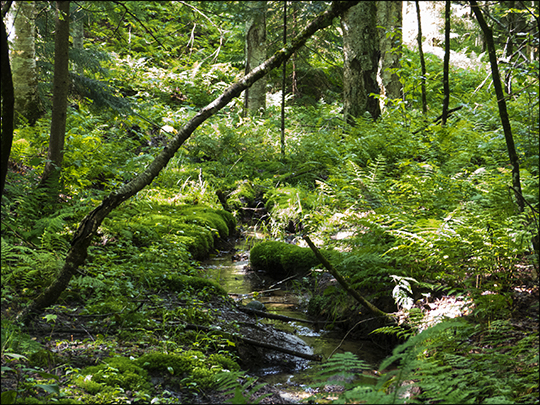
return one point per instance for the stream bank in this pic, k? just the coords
(290, 374)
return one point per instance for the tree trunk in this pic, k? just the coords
(61, 83)
(91, 222)
(283, 82)
(8, 104)
(422, 60)
(501, 102)
(368, 305)
(390, 21)
(361, 61)
(23, 61)
(446, 64)
(255, 97)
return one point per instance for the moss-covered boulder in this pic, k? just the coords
(280, 259)
(114, 373)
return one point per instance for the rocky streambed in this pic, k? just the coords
(289, 373)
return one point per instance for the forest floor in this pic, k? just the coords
(79, 341)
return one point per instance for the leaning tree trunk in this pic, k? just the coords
(76, 255)
(23, 61)
(501, 102)
(446, 64)
(8, 104)
(255, 96)
(61, 83)
(390, 21)
(361, 61)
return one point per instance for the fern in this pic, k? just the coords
(340, 369)
(228, 382)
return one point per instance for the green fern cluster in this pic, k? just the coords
(451, 362)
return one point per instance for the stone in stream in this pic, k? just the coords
(256, 305)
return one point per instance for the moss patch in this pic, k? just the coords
(113, 373)
(280, 259)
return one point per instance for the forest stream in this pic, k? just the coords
(289, 374)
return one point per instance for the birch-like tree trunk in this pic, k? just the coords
(255, 97)
(88, 227)
(390, 21)
(61, 82)
(361, 61)
(23, 62)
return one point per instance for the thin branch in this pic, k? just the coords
(140, 22)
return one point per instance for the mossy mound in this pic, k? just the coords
(190, 227)
(113, 373)
(280, 259)
(179, 283)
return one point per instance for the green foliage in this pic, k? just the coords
(281, 259)
(452, 362)
(230, 384)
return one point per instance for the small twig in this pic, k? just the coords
(347, 334)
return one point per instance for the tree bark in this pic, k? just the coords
(61, 83)
(501, 102)
(368, 305)
(283, 82)
(422, 60)
(390, 19)
(8, 106)
(255, 97)
(446, 64)
(76, 255)
(361, 61)
(23, 61)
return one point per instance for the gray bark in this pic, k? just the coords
(446, 64)
(77, 254)
(390, 18)
(61, 84)
(361, 60)
(8, 104)
(255, 97)
(23, 62)
(501, 102)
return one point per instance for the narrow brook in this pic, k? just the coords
(229, 269)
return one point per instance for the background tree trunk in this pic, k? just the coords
(501, 102)
(361, 61)
(390, 18)
(446, 64)
(60, 91)
(23, 61)
(88, 227)
(255, 97)
(422, 60)
(8, 103)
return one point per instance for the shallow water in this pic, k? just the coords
(232, 276)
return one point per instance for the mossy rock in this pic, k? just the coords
(190, 367)
(280, 259)
(179, 283)
(113, 373)
(259, 306)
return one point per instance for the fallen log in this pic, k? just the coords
(263, 314)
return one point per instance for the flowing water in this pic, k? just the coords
(229, 269)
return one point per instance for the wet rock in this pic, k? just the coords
(259, 306)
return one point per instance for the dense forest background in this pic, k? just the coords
(138, 136)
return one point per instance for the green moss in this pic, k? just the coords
(242, 196)
(180, 283)
(191, 369)
(114, 372)
(280, 259)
